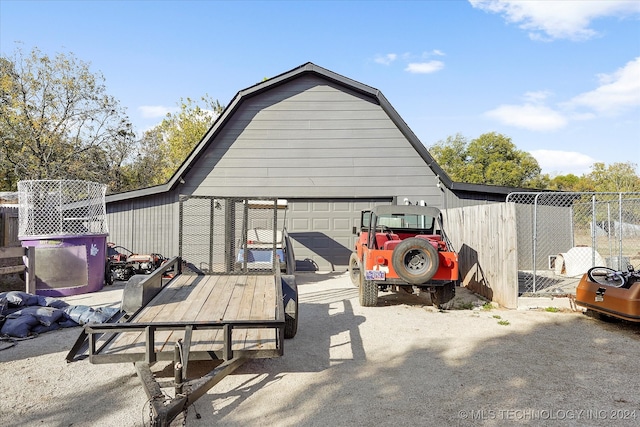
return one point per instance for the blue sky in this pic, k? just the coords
(561, 78)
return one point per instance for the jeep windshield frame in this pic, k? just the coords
(402, 217)
(410, 218)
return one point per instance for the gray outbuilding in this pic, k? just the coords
(329, 145)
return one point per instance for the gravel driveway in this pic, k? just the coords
(403, 363)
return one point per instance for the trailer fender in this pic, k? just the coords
(137, 292)
(290, 296)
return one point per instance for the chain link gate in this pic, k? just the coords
(223, 235)
(562, 235)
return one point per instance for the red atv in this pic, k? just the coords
(403, 247)
(123, 263)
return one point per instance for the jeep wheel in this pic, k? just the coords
(367, 291)
(443, 294)
(354, 269)
(415, 261)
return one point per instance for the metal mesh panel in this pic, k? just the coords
(562, 235)
(228, 235)
(61, 207)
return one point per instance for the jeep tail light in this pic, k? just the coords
(381, 260)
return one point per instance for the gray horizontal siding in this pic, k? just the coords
(380, 156)
(320, 163)
(304, 171)
(330, 104)
(377, 123)
(308, 135)
(298, 90)
(311, 138)
(273, 167)
(145, 225)
(319, 116)
(326, 144)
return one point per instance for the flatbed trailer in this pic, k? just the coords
(196, 310)
(228, 317)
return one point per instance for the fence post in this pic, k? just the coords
(620, 232)
(594, 224)
(3, 238)
(30, 271)
(535, 239)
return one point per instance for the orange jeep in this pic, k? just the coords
(403, 247)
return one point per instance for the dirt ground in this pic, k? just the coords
(402, 363)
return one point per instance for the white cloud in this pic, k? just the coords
(538, 96)
(558, 19)
(425, 67)
(386, 59)
(617, 92)
(556, 162)
(155, 111)
(528, 116)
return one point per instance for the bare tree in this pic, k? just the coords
(57, 121)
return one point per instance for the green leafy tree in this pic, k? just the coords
(151, 165)
(569, 182)
(452, 156)
(165, 147)
(57, 121)
(489, 159)
(617, 177)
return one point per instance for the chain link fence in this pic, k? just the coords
(228, 235)
(562, 235)
(61, 208)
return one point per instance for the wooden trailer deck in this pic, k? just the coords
(199, 311)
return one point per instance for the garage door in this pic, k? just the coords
(322, 231)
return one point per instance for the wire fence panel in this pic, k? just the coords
(562, 235)
(228, 235)
(61, 208)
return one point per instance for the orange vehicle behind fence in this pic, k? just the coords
(403, 246)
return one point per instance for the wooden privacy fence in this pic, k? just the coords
(28, 265)
(9, 226)
(486, 240)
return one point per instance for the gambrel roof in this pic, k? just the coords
(309, 68)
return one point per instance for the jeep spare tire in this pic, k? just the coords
(415, 260)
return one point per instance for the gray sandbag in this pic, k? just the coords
(51, 302)
(20, 299)
(44, 315)
(19, 326)
(83, 314)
